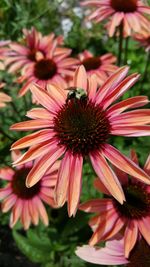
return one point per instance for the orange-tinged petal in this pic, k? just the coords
(105, 226)
(39, 113)
(130, 237)
(44, 99)
(42, 211)
(80, 78)
(125, 164)
(96, 205)
(16, 212)
(31, 125)
(75, 183)
(144, 227)
(40, 167)
(133, 102)
(107, 176)
(33, 139)
(111, 82)
(64, 174)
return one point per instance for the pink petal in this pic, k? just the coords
(80, 78)
(42, 211)
(140, 130)
(100, 186)
(33, 211)
(44, 99)
(39, 113)
(25, 216)
(130, 237)
(40, 168)
(64, 174)
(99, 256)
(120, 89)
(36, 152)
(125, 164)
(107, 176)
(8, 202)
(6, 191)
(32, 139)
(92, 88)
(31, 125)
(105, 226)
(6, 173)
(96, 205)
(133, 102)
(147, 165)
(16, 212)
(110, 84)
(134, 156)
(75, 183)
(144, 227)
(132, 118)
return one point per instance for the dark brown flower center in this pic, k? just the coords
(137, 203)
(45, 69)
(91, 63)
(140, 255)
(19, 187)
(81, 125)
(32, 55)
(124, 5)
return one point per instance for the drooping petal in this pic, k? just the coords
(100, 186)
(40, 167)
(75, 183)
(144, 227)
(100, 255)
(96, 205)
(42, 211)
(125, 164)
(64, 174)
(106, 225)
(33, 139)
(130, 237)
(108, 177)
(16, 212)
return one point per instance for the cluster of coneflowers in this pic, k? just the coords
(77, 110)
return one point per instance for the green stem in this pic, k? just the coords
(120, 43)
(126, 50)
(146, 66)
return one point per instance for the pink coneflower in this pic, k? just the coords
(3, 97)
(54, 67)
(77, 123)
(143, 38)
(102, 66)
(130, 13)
(35, 47)
(132, 217)
(111, 254)
(26, 203)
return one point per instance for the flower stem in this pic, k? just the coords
(146, 66)
(126, 50)
(120, 43)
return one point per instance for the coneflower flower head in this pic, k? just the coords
(77, 122)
